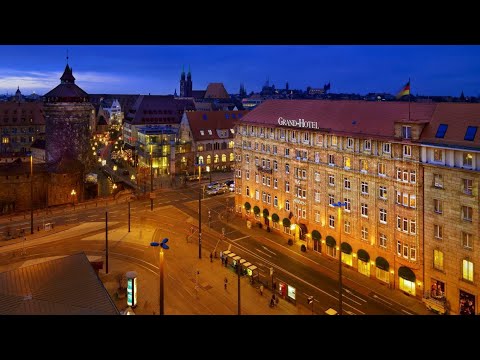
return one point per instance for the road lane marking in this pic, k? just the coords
(406, 312)
(358, 297)
(263, 252)
(267, 249)
(379, 298)
(241, 238)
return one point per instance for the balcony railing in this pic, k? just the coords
(264, 169)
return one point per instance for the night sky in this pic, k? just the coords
(433, 70)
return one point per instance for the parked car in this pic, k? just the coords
(212, 185)
(229, 182)
(212, 191)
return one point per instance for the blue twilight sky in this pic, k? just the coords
(155, 69)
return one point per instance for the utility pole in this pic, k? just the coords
(151, 179)
(340, 286)
(31, 193)
(106, 240)
(199, 225)
(128, 216)
(238, 285)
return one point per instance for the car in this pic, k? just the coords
(232, 188)
(229, 182)
(211, 192)
(212, 185)
(222, 189)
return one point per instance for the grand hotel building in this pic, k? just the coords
(383, 161)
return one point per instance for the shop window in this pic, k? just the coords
(407, 286)
(364, 267)
(346, 258)
(331, 251)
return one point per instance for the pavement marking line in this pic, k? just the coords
(406, 312)
(354, 308)
(241, 238)
(263, 252)
(358, 297)
(379, 298)
(267, 249)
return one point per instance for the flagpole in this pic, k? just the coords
(409, 95)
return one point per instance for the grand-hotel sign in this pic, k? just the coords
(301, 123)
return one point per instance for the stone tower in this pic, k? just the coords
(69, 120)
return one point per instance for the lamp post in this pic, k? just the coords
(340, 287)
(151, 177)
(128, 215)
(209, 173)
(238, 285)
(73, 193)
(162, 245)
(31, 193)
(199, 225)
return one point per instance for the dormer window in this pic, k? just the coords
(202, 132)
(407, 132)
(209, 132)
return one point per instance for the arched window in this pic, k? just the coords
(200, 159)
(183, 160)
(231, 144)
(209, 159)
(247, 191)
(215, 159)
(224, 158)
(232, 157)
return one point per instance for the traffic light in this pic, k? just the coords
(310, 299)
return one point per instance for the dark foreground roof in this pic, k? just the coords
(65, 286)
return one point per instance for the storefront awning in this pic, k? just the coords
(406, 273)
(382, 263)
(330, 241)
(346, 248)
(363, 255)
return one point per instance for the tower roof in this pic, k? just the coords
(67, 90)
(67, 77)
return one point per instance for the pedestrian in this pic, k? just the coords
(261, 289)
(274, 286)
(221, 255)
(226, 261)
(225, 281)
(211, 257)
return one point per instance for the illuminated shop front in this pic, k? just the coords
(331, 246)
(406, 280)
(382, 269)
(346, 253)
(363, 262)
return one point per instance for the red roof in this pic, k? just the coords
(458, 117)
(158, 109)
(373, 119)
(212, 120)
(15, 111)
(216, 91)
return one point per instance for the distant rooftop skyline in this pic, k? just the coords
(142, 69)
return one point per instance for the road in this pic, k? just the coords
(307, 275)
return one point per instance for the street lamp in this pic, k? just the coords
(209, 173)
(340, 289)
(151, 177)
(73, 193)
(31, 193)
(162, 245)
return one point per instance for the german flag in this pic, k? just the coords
(405, 90)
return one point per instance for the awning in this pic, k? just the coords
(330, 241)
(303, 227)
(363, 255)
(406, 273)
(346, 248)
(382, 263)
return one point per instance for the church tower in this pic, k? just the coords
(183, 84)
(188, 85)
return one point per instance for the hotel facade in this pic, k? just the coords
(297, 161)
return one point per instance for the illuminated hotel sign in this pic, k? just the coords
(298, 123)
